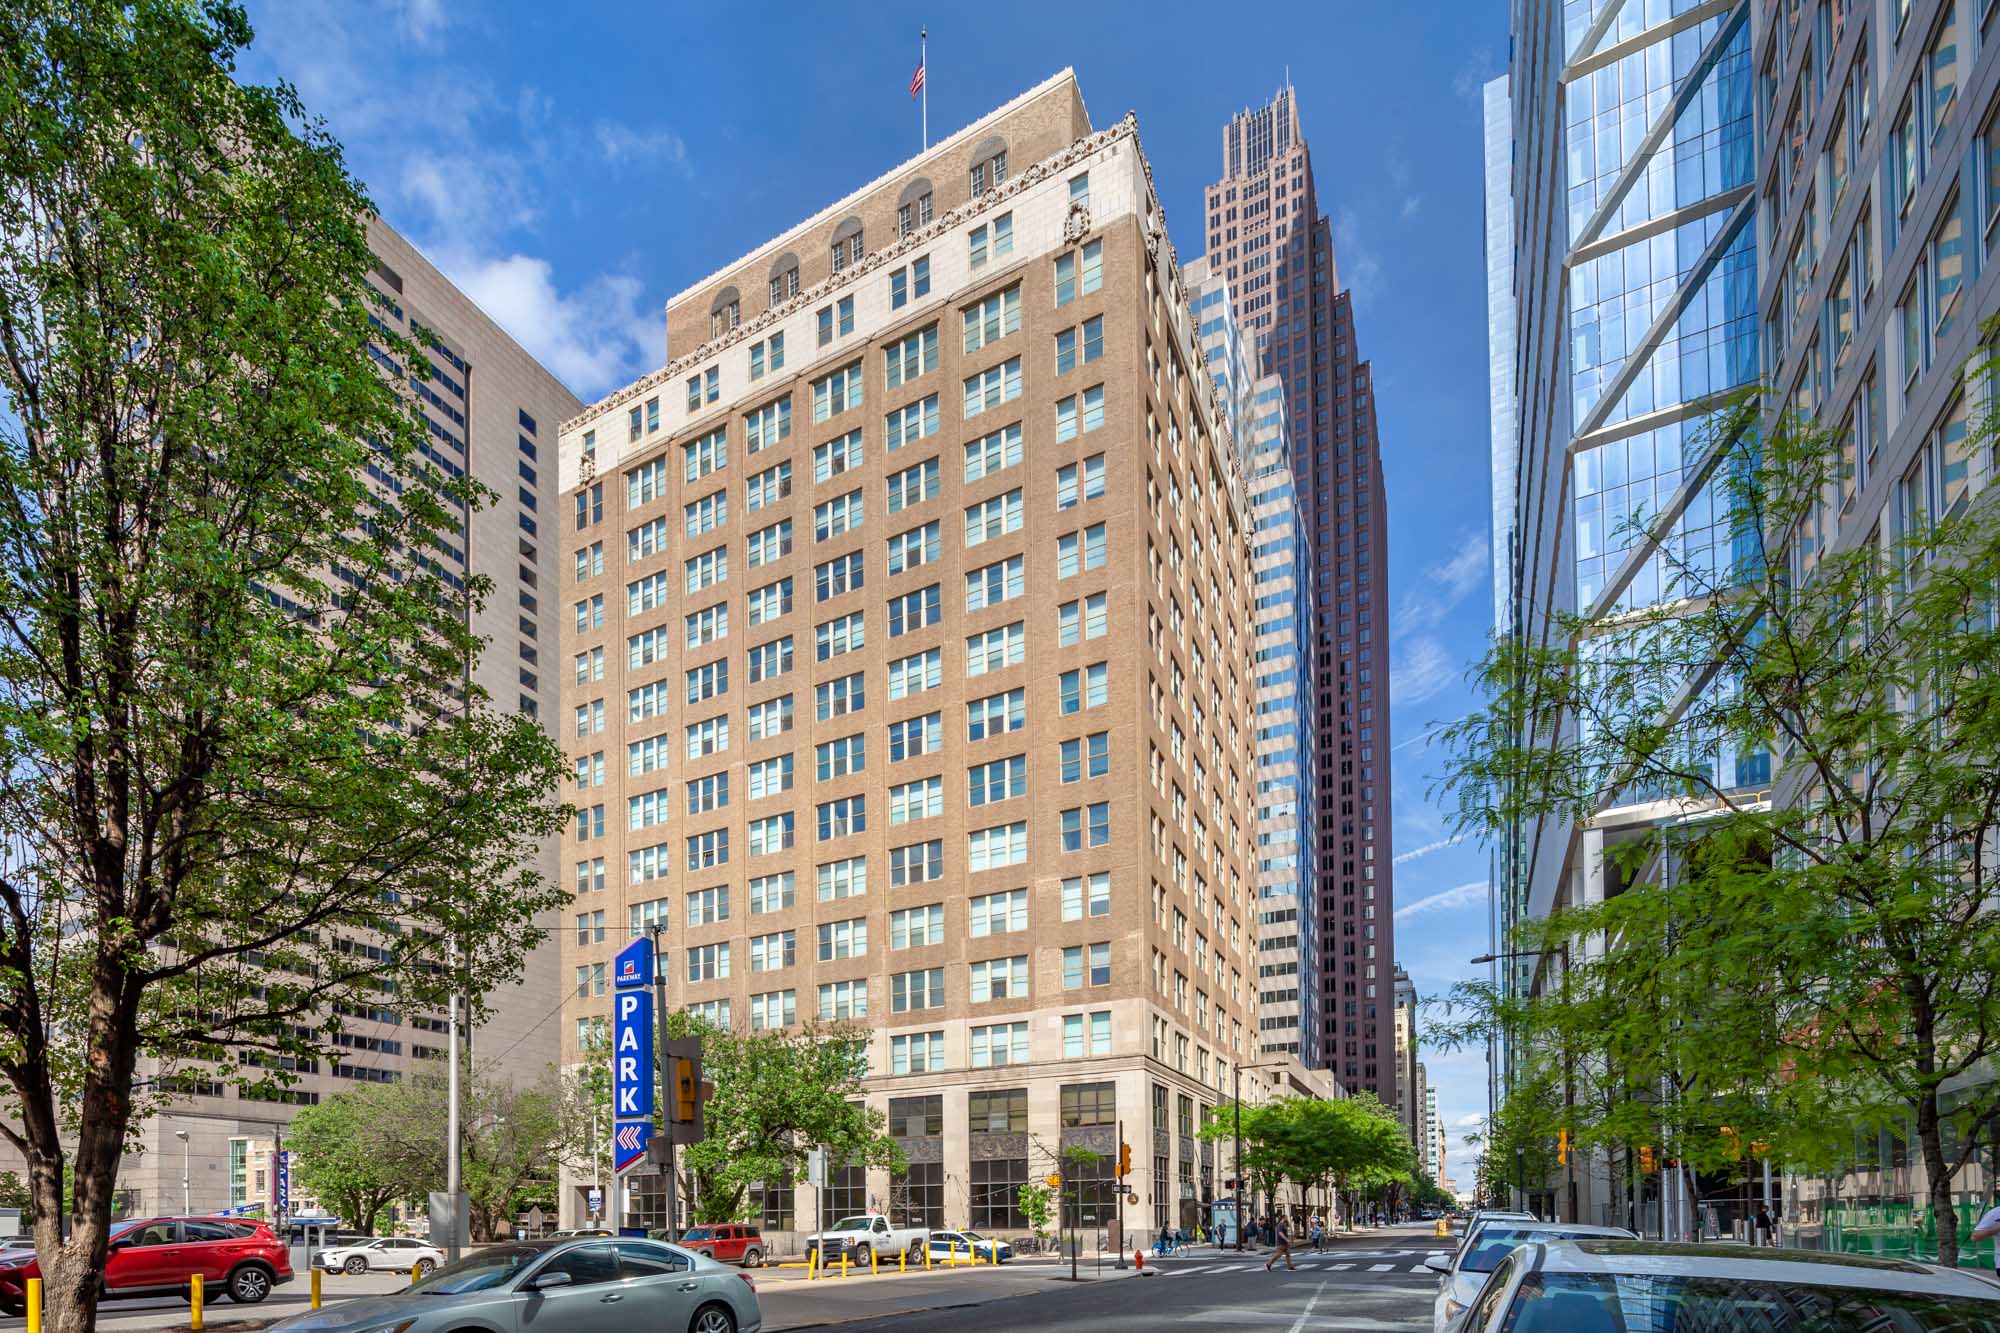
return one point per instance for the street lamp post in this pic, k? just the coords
(187, 1195)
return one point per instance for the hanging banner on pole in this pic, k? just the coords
(632, 1056)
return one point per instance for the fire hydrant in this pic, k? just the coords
(1139, 1259)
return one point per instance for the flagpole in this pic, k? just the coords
(923, 63)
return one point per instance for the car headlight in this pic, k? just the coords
(1452, 1309)
(394, 1326)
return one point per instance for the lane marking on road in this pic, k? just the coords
(1381, 1268)
(1306, 1313)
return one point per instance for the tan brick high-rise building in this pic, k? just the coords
(904, 672)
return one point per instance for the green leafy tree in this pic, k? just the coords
(1342, 1146)
(1804, 948)
(1037, 1203)
(511, 1142)
(238, 790)
(778, 1095)
(338, 1155)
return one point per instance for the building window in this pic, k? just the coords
(847, 250)
(914, 214)
(988, 173)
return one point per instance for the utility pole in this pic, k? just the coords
(187, 1194)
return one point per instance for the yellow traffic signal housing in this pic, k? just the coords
(1646, 1159)
(1124, 1159)
(1562, 1147)
(687, 1092)
(1055, 1182)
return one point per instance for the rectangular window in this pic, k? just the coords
(915, 736)
(996, 715)
(707, 569)
(843, 513)
(917, 863)
(773, 833)
(989, 320)
(1086, 619)
(992, 848)
(705, 851)
(843, 939)
(833, 638)
(1080, 552)
(709, 736)
(645, 483)
(916, 610)
(910, 357)
(706, 514)
(769, 777)
(837, 577)
(1083, 757)
(917, 1053)
(767, 425)
(911, 801)
(843, 817)
(910, 991)
(992, 387)
(843, 1000)
(997, 780)
(773, 1009)
(770, 660)
(710, 962)
(1086, 826)
(915, 927)
(991, 453)
(708, 906)
(771, 718)
(769, 544)
(999, 913)
(837, 456)
(990, 585)
(770, 602)
(997, 1044)
(842, 879)
(993, 517)
(705, 455)
(1086, 895)
(837, 698)
(1078, 482)
(839, 757)
(707, 625)
(918, 546)
(916, 673)
(995, 649)
(836, 392)
(768, 487)
(999, 979)
(993, 240)
(709, 793)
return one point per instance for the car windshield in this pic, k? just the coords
(698, 1233)
(853, 1224)
(480, 1272)
(1645, 1303)
(1497, 1242)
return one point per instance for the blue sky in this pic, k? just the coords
(574, 165)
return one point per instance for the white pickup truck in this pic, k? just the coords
(867, 1235)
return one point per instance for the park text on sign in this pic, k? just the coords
(632, 1056)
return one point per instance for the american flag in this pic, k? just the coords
(917, 80)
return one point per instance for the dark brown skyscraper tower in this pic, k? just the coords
(1267, 236)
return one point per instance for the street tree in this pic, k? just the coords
(243, 777)
(511, 1141)
(778, 1095)
(1800, 935)
(1037, 1204)
(338, 1156)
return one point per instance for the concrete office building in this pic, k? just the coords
(914, 594)
(1269, 241)
(493, 410)
(1626, 193)
(1878, 189)
(1408, 1100)
(1288, 941)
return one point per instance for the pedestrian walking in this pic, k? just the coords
(1282, 1238)
(1763, 1224)
(1318, 1233)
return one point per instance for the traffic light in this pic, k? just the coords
(1562, 1147)
(1124, 1159)
(1055, 1182)
(686, 1090)
(1646, 1159)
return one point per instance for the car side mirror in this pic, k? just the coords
(120, 1244)
(546, 1280)
(1437, 1263)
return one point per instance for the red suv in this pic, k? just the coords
(236, 1257)
(726, 1244)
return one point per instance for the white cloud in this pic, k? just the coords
(424, 19)
(1420, 670)
(1451, 900)
(620, 144)
(592, 339)
(1445, 584)
(1429, 847)
(1412, 203)
(1360, 268)
(1472, 1120)
(1473, 75)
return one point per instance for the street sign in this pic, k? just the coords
(596, 1201)
(632, 1055)
(816, 1167)
(634, 964)
(282, 1187)
(628, 1144)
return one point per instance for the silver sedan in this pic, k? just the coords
(558, 1286)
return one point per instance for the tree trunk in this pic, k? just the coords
(1931, 1138)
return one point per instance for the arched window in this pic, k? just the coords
(847, 246)
(784, 278)
(725, 312)
(989, 165)
(913, 206)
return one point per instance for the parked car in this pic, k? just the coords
(730, 1244)
(591, 1283)
(969, 1244)
(238, 1258)
(865, 1236)
(579, 1233)
(1481, 1217)
(397, 1254)
(1607, 1286)
(1463, 1274)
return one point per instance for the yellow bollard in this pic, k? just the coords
(34, 1305)
(194, 1303)
(927, 1256)
(871, 1261)
(315, 1288)
(812, 1263)
(903, 1262)
(843, 1261)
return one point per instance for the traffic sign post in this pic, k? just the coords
(282, 1187)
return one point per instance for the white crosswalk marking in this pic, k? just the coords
(1381, 1268)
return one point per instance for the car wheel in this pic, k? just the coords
(355, 1264)
(915, 1252)
(249, 1284)
(422, 1269)
(713, 1319)
(862, 1254)
(13, 1309)
(753, 1257)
